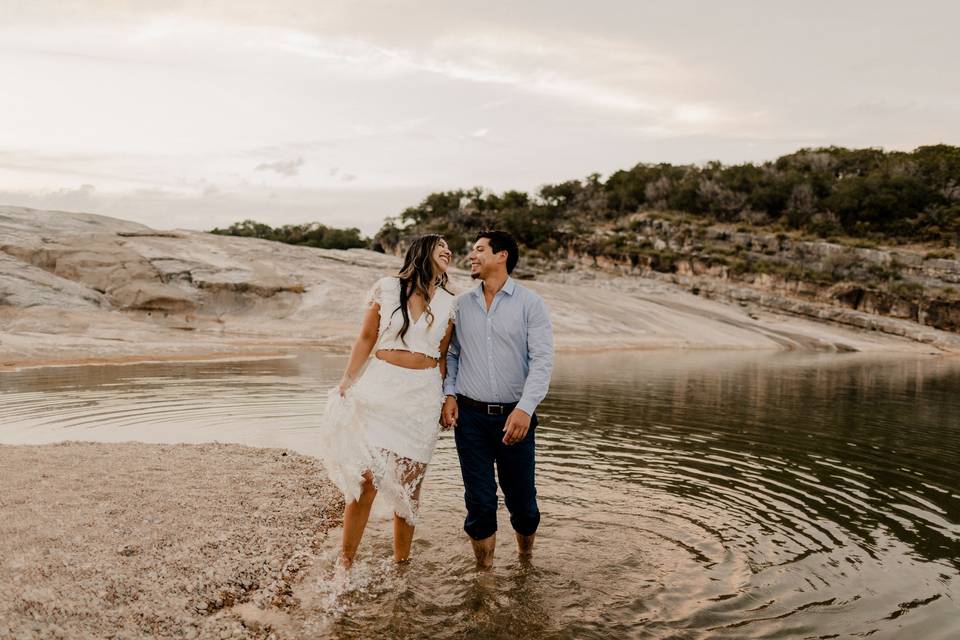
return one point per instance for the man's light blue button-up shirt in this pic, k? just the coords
(503, 355)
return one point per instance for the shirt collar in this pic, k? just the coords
(508, 287)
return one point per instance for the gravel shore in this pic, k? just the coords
(139, 540)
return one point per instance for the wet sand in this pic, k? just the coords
(139, 540)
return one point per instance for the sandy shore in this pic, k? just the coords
(154, 541)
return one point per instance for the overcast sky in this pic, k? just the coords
(205, 113)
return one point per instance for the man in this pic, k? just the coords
(498, 370)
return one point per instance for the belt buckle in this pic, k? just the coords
(491, 407)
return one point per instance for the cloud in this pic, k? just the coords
(394, 91)
(287, 168)
(341, 176)
(73, 198)
(572, 70)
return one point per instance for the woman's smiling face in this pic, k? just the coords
(442, 256)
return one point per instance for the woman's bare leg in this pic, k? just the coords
(355, 516)
(403, 530)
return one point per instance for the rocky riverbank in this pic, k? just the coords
(80, 288)
(155, 541)
(848, 283)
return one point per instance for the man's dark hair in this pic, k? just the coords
(502, 241)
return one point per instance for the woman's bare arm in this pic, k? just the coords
(362, 346)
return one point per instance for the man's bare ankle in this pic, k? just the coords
(484, 550)
(525, 544)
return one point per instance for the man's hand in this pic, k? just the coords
(449, 413)
(518, 423)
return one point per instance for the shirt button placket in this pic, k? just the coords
(493, 393)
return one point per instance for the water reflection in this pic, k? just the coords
(690, 495)
(872, 444)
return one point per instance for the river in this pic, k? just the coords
(684, 495)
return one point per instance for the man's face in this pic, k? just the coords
(483, 260)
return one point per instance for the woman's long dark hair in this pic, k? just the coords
(418, 273)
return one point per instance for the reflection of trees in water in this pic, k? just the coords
(885, 430)
(760, 392)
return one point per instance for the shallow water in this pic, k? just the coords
(684, 495)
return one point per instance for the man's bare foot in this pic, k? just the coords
(525, 545)
(483, 550)
(345, 562)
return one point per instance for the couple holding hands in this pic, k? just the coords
(478, 363)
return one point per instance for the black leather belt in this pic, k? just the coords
(489, 408)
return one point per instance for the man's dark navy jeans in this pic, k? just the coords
(479, 439)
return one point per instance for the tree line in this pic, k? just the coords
(869, 194)
(311, 234)
(883, 196)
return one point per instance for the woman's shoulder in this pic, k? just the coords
(388, 282)
(383, 290)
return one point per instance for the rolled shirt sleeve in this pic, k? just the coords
(453, 366)
(539, 355)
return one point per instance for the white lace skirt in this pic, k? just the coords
(388, 425)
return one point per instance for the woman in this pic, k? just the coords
(382, 421)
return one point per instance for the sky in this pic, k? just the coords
(200, 114)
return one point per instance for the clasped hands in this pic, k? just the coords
(515, 429)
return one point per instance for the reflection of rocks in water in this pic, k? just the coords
(749, 388)
(148, 376)
(800, 464)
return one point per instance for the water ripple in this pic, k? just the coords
(696, 496)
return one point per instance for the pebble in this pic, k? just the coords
(208, 545)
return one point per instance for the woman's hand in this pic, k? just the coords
(345, 383)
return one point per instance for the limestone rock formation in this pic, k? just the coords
(818, 279)
(80, 287)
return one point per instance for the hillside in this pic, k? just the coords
(860, 236)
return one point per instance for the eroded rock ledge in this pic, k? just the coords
(857, 285)
(86, 288)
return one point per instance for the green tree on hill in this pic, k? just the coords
(869, 194)
(312, 234)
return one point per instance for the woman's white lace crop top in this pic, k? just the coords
(423, 336)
